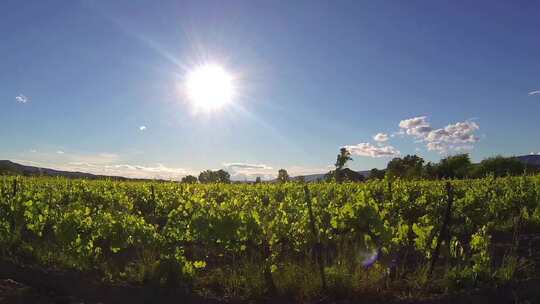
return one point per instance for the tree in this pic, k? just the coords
(206, 177)
(283, 176)
(376, 174)
(258, 180)
(342, 158)
(349, 175)
(456, 166)
(223, 176)
(189, 179)
(209, 176)
(430, 171)
(499, 166)
(408, 167)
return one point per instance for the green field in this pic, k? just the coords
(301, 241)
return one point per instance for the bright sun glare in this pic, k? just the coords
(209, 87)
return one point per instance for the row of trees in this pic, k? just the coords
(408, 167)
(414, 167)
(456, 166)
(222, 176)
(209, 176)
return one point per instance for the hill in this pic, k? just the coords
(531, 160)
(10, 168)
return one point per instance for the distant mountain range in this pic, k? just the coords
(531, 159)
(11, 168)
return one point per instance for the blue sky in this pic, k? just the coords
(78, 79)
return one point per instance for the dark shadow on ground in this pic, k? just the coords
(32, 285)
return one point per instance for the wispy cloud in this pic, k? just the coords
(247, 166)
(21, 98)
(367, 149)
(381, 137)
(534, 93)
(247, 171)
(157, 171)
(62, 157)
(299, 170)
(142, 128)
(109, 164)
(458, 136)
(382, 149)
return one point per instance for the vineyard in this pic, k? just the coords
(301, 241)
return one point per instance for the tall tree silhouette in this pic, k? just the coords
(283, 176)
(342, 158)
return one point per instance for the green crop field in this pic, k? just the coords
(304, 241)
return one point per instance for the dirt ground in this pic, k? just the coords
(17, 293)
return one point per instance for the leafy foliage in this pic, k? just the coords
(500, 166)
(219, 176)
(189, 179)
(180, 234)
(409, 167)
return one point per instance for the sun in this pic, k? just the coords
(209, 87)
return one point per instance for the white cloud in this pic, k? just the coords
(367, 149)
(142, 128)
(157, 171)
(21, 98)
(299, 170)
(463, 148)
(246, 171)
(381, 137)
(416, 126)
(534, 93)
(100, 158)
(62, 157)
(436, 146)
(459, 136)
(111, 164)
(461, 132)
(247, 166)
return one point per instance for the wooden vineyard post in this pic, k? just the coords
(267, 256)
(153, 194)
(14, 188)
(317, 248)
(267, 272)
(389, 191)
(444, 233)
